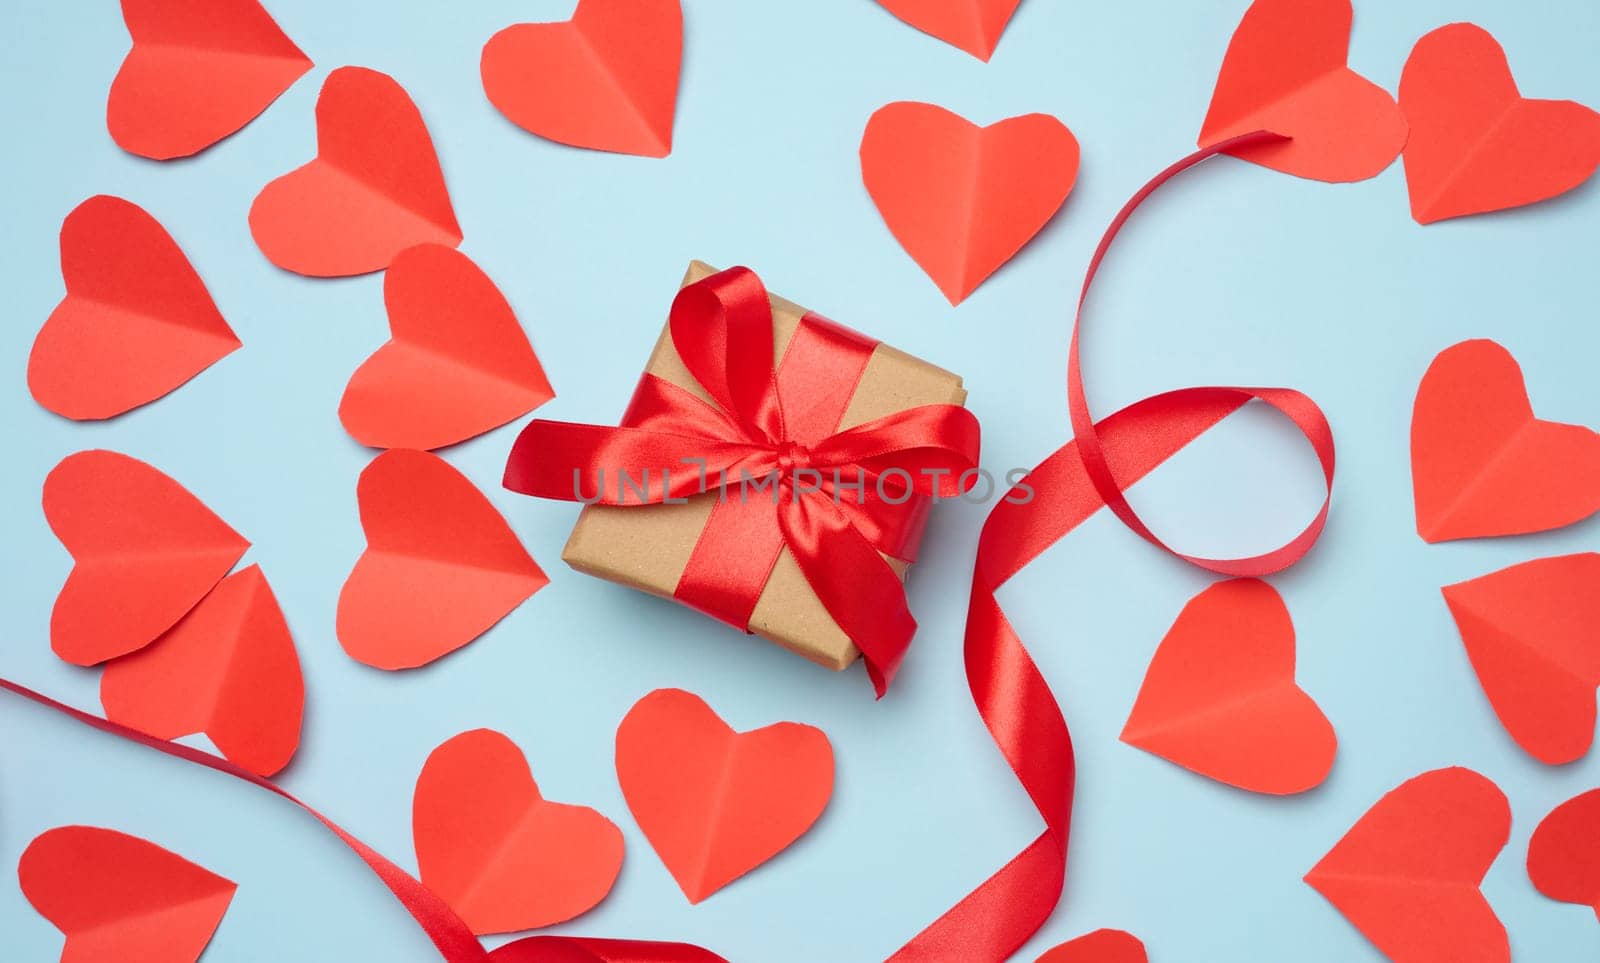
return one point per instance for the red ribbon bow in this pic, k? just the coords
(769, 446)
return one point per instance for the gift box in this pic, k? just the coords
(719, 546)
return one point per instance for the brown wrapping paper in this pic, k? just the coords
(648, 548)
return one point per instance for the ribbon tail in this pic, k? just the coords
(853, 582)
(994, 920)
(1010, 694)
(450, 934)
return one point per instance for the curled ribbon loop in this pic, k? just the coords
(1298, 408)
(838, 500)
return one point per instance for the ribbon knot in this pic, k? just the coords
(792, 456)
(869, 497)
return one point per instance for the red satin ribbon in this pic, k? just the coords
(1015, 702)
(449, 933)
(840, 498)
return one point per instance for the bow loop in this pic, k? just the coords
(722, 329)
(927, 451)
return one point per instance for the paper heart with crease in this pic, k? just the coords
(1482, 464)
(440, 569)
(137, 321)
(1477, 144)
(504, 857)
(374, 189)
(962, 199)
(1532, 632)
(199, 70)
(973, 25)
(1286, 70)
(457, 365)
(607, 79)
(713, 802)
(1407, 875)
(228, 669)
(1220, 697)
(118, 897)
(1564, 853)
(1101, 946)
(145, 552)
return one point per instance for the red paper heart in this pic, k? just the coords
(373, 190)
(118, 897)
(1482, 464)
(441, 565)
(137, 321)
(1564, 854)
(1476, 143)
(504, 857)
(973, 25)
(962, 199)
(713, 802)
(228, 669)
(458, 363)
(1101, 946)
(1532, 632)
(145, 549)
(1286, 71)
(607, 79)
(199, 70)
(1407, 874)
(1220, 697)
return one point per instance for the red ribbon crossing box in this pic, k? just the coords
(774, 470)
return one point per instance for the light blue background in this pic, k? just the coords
(1233, 275)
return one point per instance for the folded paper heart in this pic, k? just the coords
(1477, 144)
(1407, 875)
(457, 364)
(1532, 632)
(137, 321)
(228, 669)
(199, 70)
(145, 551)
(1286, 71)
(1482, 464)
(962, 199)
(973, 25)
(1101, 946)
(1220, 697)
(118, 897)
(441, 565)
(607, 79)
(504, 857)
(373, 190)
(1564, 853)
(713, 802)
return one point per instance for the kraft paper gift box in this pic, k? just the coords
(648, 547)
